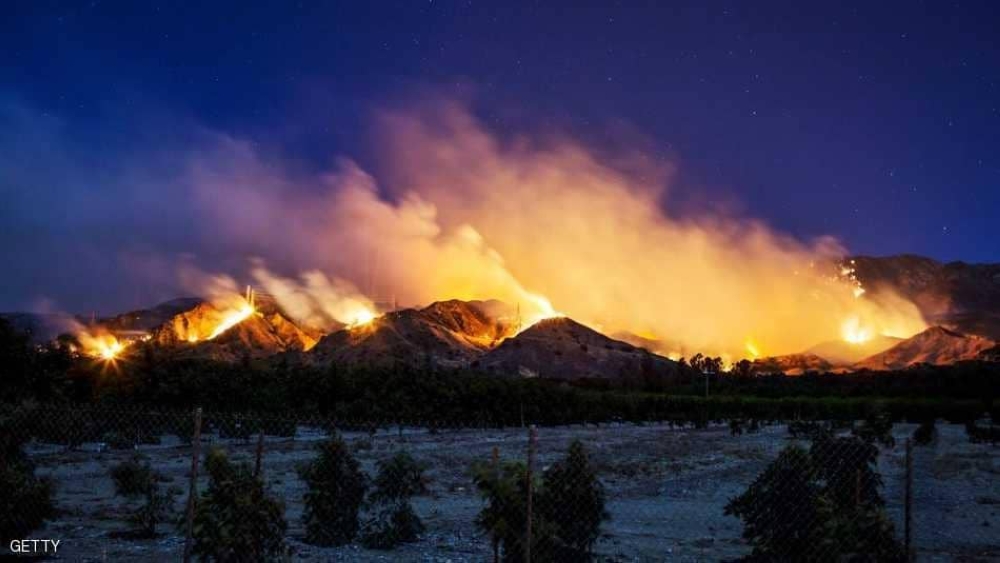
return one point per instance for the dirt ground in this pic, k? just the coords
(666, 490)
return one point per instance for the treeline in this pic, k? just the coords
(286, 388)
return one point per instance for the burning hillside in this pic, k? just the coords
(232, 328)
(560, 348)
(543, 223)
(450, 333)
(936, 345)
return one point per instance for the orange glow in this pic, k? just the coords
(362, 317)
(555, 228)
(538, 308)
(232, 318)
(102, 346)
(854, 332)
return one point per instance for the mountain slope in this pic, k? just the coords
(561, 348)
(450, 333)
(261, 334)
(793, 364)
(843, 353)
(959, 296)
(936, 345)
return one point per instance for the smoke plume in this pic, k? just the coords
(547, 224)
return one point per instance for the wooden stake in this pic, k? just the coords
(532, 438)
(193, 489)
(260, 455)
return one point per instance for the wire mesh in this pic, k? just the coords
(113, 483)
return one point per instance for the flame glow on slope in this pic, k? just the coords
(103, 346)
(461, 213)
(362, 317)
(232, 318)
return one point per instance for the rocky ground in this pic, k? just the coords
(666, 489)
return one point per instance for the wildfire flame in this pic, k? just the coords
(101, 346)
(538, 309)
(362, 317)
(752, 349)
(854, 332)
(232, 318)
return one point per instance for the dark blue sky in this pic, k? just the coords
(876, 122)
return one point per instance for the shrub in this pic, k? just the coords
(394, 521)
(236, 520)
(572, 503)
(566, 521)
(925, 434)
(821, 504)
(336, 490)
(25, 500)
(504, 517)
(135, 479)
(876, 428)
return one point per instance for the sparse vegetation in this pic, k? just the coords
(571, 504)
(335, 492)
(25, 500)
(135, 479)
(393, 520)
(926, 433)
(569, 508)
(821, 504)
(236, 519)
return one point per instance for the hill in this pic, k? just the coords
(936, 345)
(793, 364)
(843, 353)
(450, 333)
(959, 296)
(260, 334)
(561, 348)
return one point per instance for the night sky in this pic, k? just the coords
(875, 122)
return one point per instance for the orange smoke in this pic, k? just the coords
(547, 225)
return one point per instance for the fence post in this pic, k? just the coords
(496, 483)
(193, 489)
(908, 502)
(259, 454)
(532, 438)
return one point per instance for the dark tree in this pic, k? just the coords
(572, 503)
(25, 500)
(925, 434)
(504, 515)
(783, 509)
(236, 519)
(822, 504)
(394, 521)
(336, 491)
(876, 428)
(135, 479)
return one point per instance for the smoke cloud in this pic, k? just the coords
(466, 215)
(456, 211)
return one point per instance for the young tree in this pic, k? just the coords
(822, 504)
(876, 428)
(783, 509)
(504, 516)
(925, 434)
(25, 500)
(572, 502)
(336, 490)
(236, 519)
(394, 520)
(135, 479)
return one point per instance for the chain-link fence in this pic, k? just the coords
(113, 484)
